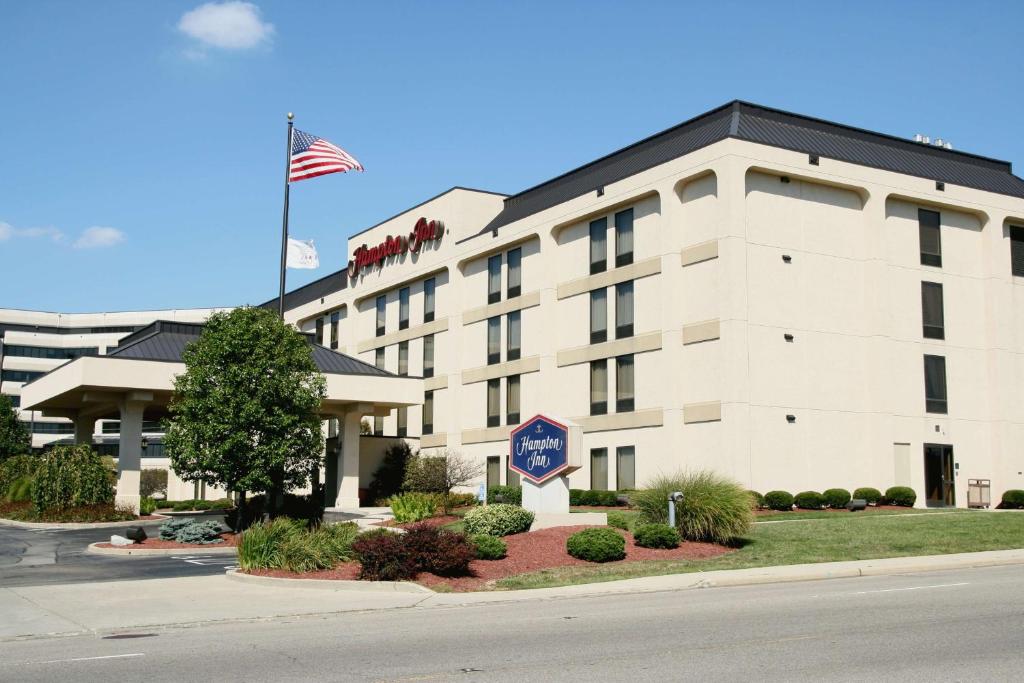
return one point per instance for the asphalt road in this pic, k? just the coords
(963, 625)
(30, 557)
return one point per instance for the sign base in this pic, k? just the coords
(548, 496)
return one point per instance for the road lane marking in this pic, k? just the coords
(90, 659)
(912, 588)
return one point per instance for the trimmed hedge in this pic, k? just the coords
(809, 500)
(756, 500)
(901, 495)
(618, 520)
(593, 498)
(507, 494)
(656, 536)
(779, 500)
(1013, 499)
(597, 545)
(489, 547)
(869, 494)
(836, 498)
(497, 520)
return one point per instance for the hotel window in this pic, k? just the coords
(428, 412)
(320, 331)
(403, 422)
(335, 320)
(624, 238)
(428, 356)
(598, 469)
(378, 358)
(1017, 250)
(931, 241)
(428, 300)
(15, 400)
(403, 358)
(935, 384)
(493, 402)
(494, 340)
(403, 308)
(381, 304)
(624, 310)
(599, 387)
(513, 335)
(598, 246)
(598, 316)
(515, 273)
(512, 400)
(494, 279)
(624, 384)
(493, 470)
(931, 310)
(378, 426)
(625, 468)
(20, 375)
(511, 476)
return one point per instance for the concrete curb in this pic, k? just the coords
(131, 551)
(331, 584)
(80, 525)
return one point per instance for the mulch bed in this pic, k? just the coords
(528, 552)
(869, 509)
(431, 521)
(230, 539)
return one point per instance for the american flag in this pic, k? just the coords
(313, 156)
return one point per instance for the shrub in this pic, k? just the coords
(901, 495)
(71, 476)
(714, 508)
(15, 468)
(459, 500)
(413, 506)
(438, 551)
(260, 545)
(202, 533)
(597, 545)
(321, 548)
(147, 506)
(383, 557)
(505, 494)
(152, 480)
(102, 512)
(656, 536)
(756, 500)
(169, 529)
(836, 498)
(309, 507)
(618, 520)
(387, 480)
(498, 520)
(489, 547)
(872, 496)
(1013, 499)
(593, 497)
(779, 500)
(20, 491)
(809, 500)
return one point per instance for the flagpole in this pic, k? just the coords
(284, 220)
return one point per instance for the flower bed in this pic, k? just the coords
(527, 552)
(230, 540)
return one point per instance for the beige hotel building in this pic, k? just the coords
(792, 302)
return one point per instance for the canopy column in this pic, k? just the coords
(129, 462)
(345, 467)
(84, 428)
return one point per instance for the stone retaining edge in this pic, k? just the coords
(131, 551)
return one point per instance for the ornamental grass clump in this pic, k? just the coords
(597, 545)
(656, 536)
(260, 545)
(414, 506)
(498, 520)
(714, 508)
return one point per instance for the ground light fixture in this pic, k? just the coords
(857, 504)
(673, 498)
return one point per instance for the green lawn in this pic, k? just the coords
(829, 537)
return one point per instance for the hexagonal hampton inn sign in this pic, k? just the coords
(541, 448)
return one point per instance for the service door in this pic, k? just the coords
(939, 475)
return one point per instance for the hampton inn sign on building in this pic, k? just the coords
(792, 302)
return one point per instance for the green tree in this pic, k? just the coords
(245, 415)
(14, 438)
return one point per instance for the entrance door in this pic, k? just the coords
(938, 475)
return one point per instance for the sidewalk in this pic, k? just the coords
(158, 603)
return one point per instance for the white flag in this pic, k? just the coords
(302, 254)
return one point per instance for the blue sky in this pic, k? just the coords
(144, 141)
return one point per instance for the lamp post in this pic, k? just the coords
(673, 498)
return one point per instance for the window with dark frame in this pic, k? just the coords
(428, 412)
(625, 468)
(320, 331)
(381, 309)
(403, 358)
(428, 355)
(494, 340)
(428, 299)
(402, 428)
(598, 245)
(493, 402)
(378, 357)
(335, 320)
(493, 470)
(599, 387)
(624, 238)
(515, 272)
(513, 335)
(624, 310)
(494, 279)
(403, 308)
(598, 469)
(378, 425)
(935, 384)
(598, 316)
(511, 476)
(512, 400)
(931, 239)
(624, 384)
(931, 310)
(1017, 250)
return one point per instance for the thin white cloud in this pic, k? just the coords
(8, 231)
(98, 237)
(232, 25)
